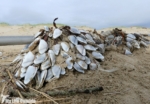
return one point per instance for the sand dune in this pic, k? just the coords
(128, 85)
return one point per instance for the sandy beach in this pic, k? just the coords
(130, 84)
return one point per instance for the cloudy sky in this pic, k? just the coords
(93, 13)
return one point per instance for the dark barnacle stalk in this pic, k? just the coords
(54, 24)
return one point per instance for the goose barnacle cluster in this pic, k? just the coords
(54, 51)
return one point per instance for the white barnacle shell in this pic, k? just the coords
(87, 60)
(74, 30)
(43, 46)
(80, 39)
(52, 57)
(89, 37)
(128, 52)
(18, 58)
(23, 70)
(57, 33)
(135, 44)
(17, 73)
(25, 49)
(90, 41)
(143, 43)
(64, 54)
(19, 64)
(79, 56)
(110, 37)
(22, 74)
(65, 46)
(128, 44)
(98, 64)
(46, 64)
(38, 33)
(93, 66)
(46, 28)
(81, 49)
(98, 55)
(28, 59)
(30, 73)
(78, 68)
(40, 58)
(71, 46)
(82, 64)
(130, 37)
(56, 70)
(20, 84)
(90, 47)
(42, 78)
(49, 75)
(56, 49)
(82, 36)
(63, 71)
(73, 39)
(38, 75)
(83, 31)
(101, 47)
(69, 63)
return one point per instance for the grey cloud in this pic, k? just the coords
(96, 13)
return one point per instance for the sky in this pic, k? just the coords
(92, 13)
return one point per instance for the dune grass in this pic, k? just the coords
(4, 24)
(28, 24)
(59, 25)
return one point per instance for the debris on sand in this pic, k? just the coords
(1, 54)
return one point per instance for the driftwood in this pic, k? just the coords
(45, 95)
(72, 92)
(34, 93)
(13, 81)
(62, 92)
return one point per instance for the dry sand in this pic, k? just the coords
(130, 84)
